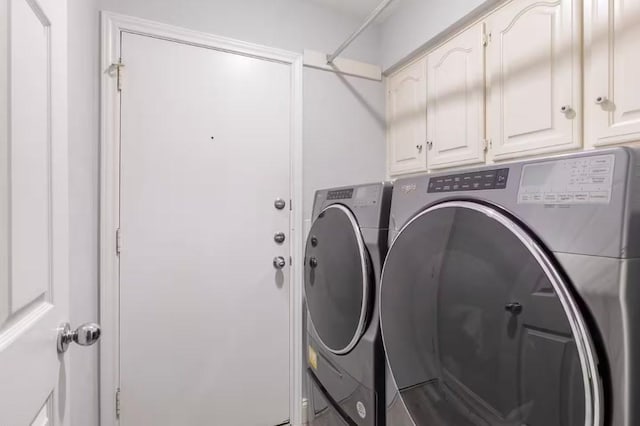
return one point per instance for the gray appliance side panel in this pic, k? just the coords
(608, 287)
(631, 242)
(593, 229)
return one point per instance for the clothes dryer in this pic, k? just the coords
(510, 294)
(343, 260)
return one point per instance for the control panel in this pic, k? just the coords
(582, 180)
(340, 194)
(474, 181)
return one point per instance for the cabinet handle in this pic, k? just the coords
(565, 109)
(419, 148)
(601, 99)
(429, 144)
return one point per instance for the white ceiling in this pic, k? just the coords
(358, 8)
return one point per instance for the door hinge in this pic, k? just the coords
(118, 69)
(486, 39)
(118, 403)
(118, 241)
(486, 144)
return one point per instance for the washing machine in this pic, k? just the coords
(510, 294)
(344, 253)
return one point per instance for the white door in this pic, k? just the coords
(33, 212)
(407, 118)
(204, 314)
(534, 77)
(612, 68)
(455, 109)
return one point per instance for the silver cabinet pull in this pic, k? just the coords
(429, 144)
(85, 335)
(600, 100)
(419, 148)
(565, 109)
(279, 262)
(279, 237)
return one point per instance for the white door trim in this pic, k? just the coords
(113, 25)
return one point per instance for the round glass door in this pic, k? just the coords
(479, 327)
(336, 279)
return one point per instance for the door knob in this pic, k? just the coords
(601, 100)
(279, 262)
(565, 109)
(85, 335)
(279, 237)
(279, 203)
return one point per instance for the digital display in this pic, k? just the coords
(474, 181)
(340, 194)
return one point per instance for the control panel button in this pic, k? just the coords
(481, 180)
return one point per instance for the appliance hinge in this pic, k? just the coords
(118, 68)
(117, 403)
(118, 241)
(486, 144)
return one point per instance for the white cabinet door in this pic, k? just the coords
(407, 119)
(34, 261)
(455, 109)
(612, 101)
(534, 73)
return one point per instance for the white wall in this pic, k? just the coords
(415, 22)
(287, 24)
(344, 133)
(343, 124)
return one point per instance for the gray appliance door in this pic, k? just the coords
(337, 279)
(479, 326)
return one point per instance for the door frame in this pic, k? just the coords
(112, 27)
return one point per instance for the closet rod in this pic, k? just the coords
(376, 12)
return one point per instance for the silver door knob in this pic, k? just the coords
(279, 262)
(429, 145)
(419, 148)
(565, 109)
(600, 100)
(279, 203)
(279, 237)
(85, 335)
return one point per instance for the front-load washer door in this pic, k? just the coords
(479, 326)
(337, 279)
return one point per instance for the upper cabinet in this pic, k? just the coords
(612, 84)
(511, 85)
(455, 107)
(407, 122)
(534, 77)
